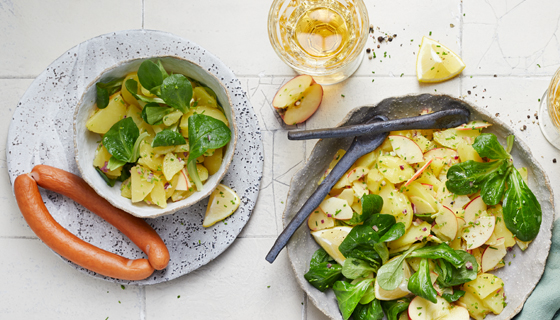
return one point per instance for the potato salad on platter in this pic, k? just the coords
(415, 228)
(162, 134)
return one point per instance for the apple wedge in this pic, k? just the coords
(419, 172)
(407, 149)
(492, 256)
(292, 91)
(336, 208)
(421, 206)
(303, 108)
(318, 220)
(479, 231)
(474, 125)
(474, 209)
(446, 225)
(183, 184)
(449, 155)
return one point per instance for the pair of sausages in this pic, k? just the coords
(73, 248)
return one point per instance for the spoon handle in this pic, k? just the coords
(354, 153)
(438, 120)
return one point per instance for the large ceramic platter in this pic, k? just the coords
(41, 133)
(526, 268)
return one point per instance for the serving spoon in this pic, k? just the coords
(438, 120)
(362, 144)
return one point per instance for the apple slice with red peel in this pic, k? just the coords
(451, 156)
(292, 91)
(446, 225)
(318, 220)
(474, 125)
(492, 256)
(474, 209)
(337, 208)
(305, 107)
(479, 231)
(183, 184)
(419, 172)
(430, 188)
(407, 149)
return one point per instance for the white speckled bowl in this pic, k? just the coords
(86, 142)
(520, 278)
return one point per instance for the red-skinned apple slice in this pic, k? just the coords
(474, 209)
(446, 225)
(430, 188)
(450, 155)
(492, 256)
(305, 107)
(479, 231)
(419, 172)
(183, 184)
(292, 91)
(407, 149)
(474, 125)
(337, 208)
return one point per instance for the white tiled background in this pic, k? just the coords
(511, 49)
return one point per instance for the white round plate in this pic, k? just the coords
(41, 133)
(526, 268)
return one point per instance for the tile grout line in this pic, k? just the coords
(143, 6)
(143, 303)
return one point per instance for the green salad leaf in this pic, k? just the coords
(391, 274)
(205, 133)
(495, 180)
(176, 91)
(120, 140)
(452, 295)
(348, 295)
(393, 308)
(467, 272)
(132, 87)
(488, 146)
(105, 90)
(153, 113)
(150, 75)
(168, 137)
(353, 268)
(369, 311)
(323, 271)
(522, 210)
(420, 282)
(371, 203)
(440, 251)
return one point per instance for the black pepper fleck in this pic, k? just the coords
(554, 160)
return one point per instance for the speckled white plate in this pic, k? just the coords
(526, 268)
(41, 133)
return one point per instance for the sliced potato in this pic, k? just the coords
(104, 119)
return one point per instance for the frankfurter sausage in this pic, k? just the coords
(68, 245)
(136, 229)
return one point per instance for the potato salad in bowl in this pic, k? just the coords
(163, 135)
(415, 228)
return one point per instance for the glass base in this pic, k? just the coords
(550, 132)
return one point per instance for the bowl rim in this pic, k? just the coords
(159, 211)
(519, 141)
